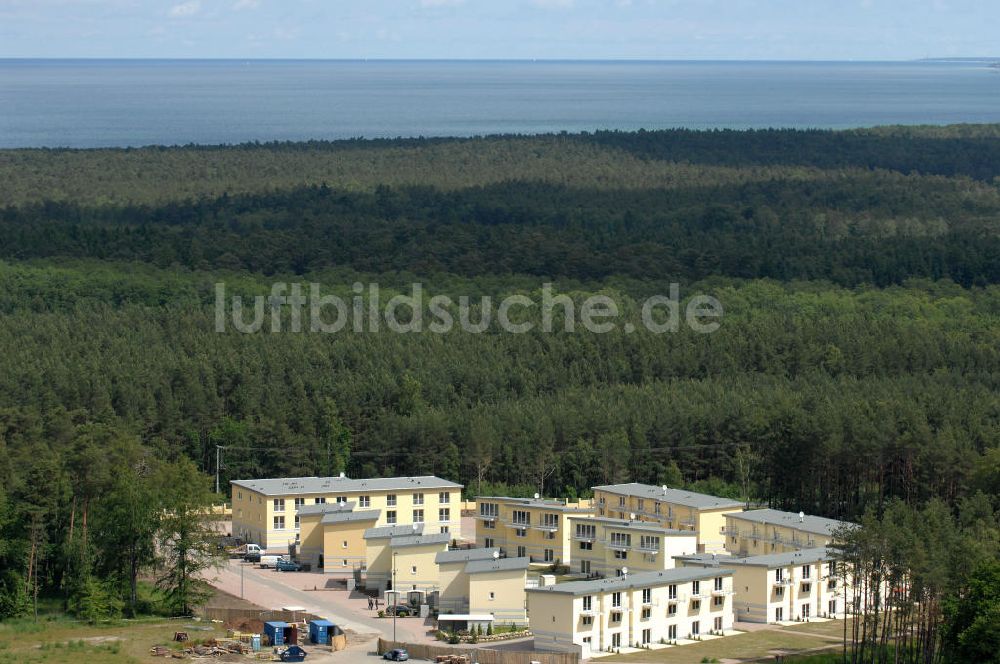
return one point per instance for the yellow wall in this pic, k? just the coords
(380, 557)
(536, 541)
(344, 546)
(745, 538)
(605, 559)
(508, 602)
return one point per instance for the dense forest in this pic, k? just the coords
(857, 365)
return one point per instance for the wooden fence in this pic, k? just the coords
(232, 615)
(480, 655)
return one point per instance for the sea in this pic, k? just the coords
(122, 103)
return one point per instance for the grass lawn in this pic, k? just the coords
(60, 641)
(747, 645)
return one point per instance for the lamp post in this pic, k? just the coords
(395, 595)
(241, 580)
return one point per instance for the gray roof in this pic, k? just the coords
(419, 540)
(706, 559)
(464, 555)
(345, 517)
(810, 524)
(385, 532)
(647, 526)
(676, 496)
(538, 503)
(499, 565)
(638, 580)
(325, 508)
(287, 486)
(772, 560)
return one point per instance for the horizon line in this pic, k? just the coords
(644, 59)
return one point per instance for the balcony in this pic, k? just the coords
(698, 595)
(691, 521)
(648, 549)
(681, 597)
(617, 546)
(549, 527)
(783, 582)
(585, 537)
(721, 592)
(487, 517)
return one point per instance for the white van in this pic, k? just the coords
(269, 561)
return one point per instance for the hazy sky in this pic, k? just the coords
(752, 29)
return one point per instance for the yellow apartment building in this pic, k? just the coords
(527, 527)
(453, 583)
(266, 511)
(484, 591)
(781, 587)
(765, 531)
(674, 509)
(636, 609)
(603, 546)
(407, 553)
(332, 536)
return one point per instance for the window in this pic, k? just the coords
(718, 601)
(521, 552)
(493, 595)
(444, 497)
(639, 504)
(806, 571)
(832, 607)
(390, 500)
(418, 499)
(413, 569)
(549, 556)
(584, 531)
(343, 545)
(550, 534)
(616, 639)
(621, 501)
(779, 614)
(718, 583)
(299, 502)
(588, 603)
(489, 524)
(672, 592)
(364, 501)
(833, 567)
(647, 635)
(550, 520)
(696, 605)
(341, 500)
(649, 543)
(586, 639)
(672, 632)
(279, 504)
(672, 610)
(390, 517)
(831, 584)
(718, 623)
(805, 610)
(646, 613)
(521, 532)
(616, 600)
(806, 587)
(240, 494)
(296, 521)
(279, 523)
(489, 510)
(588, 620)
(488, 543)
(647, 595)
(521, 517)
(418, 516)
(656, 508)
(779, 575)
(696, 587)
(586, 546)
(621, 540)
(621, 555)
(779, 591)
(445, 529)
(444, 514)
(584, 567)
(695, 628)
(320, 501)
(616, 616)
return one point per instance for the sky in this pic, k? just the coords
(498, 29)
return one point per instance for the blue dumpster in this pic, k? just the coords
(275, 631)
(319, 632)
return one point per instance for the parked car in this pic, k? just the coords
(400, 610)
(285, 565)
(293, 654)
(251, 553)
(397, 655)
(269, 561)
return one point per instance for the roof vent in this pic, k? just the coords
(341, 475)
(664, 487)
(802, 517)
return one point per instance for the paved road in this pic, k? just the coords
(273, 590)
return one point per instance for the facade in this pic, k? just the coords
(267, 511)
(408, 552)
(766, 531)
(332, 536)
(526, 527)
(637, 609)
(780, 587)
(674, 509)
(603, 546)
(476, 587)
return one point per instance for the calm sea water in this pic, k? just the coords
(79, 103)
